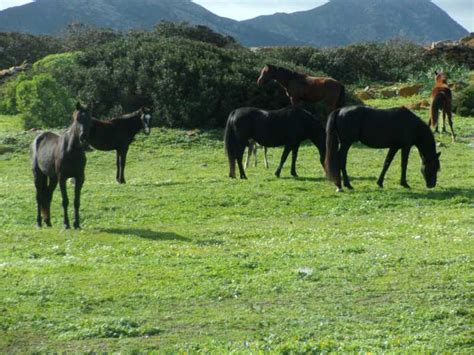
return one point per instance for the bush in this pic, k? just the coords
(43, 102)
(463, 104)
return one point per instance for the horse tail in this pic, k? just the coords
(342, 97)
(231, 144)
(331, 163)
(438, 102)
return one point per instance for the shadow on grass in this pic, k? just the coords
(146, 234)
(441, 194)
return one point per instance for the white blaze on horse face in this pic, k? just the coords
(146, 123)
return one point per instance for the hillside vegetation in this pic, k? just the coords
(192, 76)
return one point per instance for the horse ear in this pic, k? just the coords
(436, 72)
(78, 106)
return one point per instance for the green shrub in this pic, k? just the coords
(463, 104)
(8, 95)
(42, 102)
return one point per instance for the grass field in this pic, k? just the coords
(184, 259)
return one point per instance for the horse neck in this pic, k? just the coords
(425, 142)
(283, 76)
(72, 138)
(133, 123)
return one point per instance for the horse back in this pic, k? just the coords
(105, 135)
(378, 128)
(44, 149)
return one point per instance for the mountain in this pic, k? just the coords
(341, 22)
(338, 22)
(53, 16)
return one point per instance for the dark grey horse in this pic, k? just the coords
(57, 158)
(396, 129)
(287, 127)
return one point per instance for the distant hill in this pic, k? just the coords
(53, 16)
(341, 22)
(338, 22)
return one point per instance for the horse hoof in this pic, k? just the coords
(339, 189)
(405, 185)
(295, 175)
(277, 174)
(380, 184)
(67, 226)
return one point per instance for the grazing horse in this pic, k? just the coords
(253, 147)
(301, 87)
(117, 134)
(57, 158)
(441, 99)
(396, 128)
(286, 127)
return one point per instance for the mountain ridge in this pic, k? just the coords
(418, 20)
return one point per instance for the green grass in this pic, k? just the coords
(184, 259)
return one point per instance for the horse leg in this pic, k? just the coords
(265, 156)
(232, 168)
(249, 154)
(77, 200)
(405, 155)
(123, 160)
(444, 120)
(388, 160)
(284, 156)
(117, 163)
(343, 151)
(53, 182)
(450, 121)
(294, 157)
(40, 185)
(255, 154)
(62, 186)
(240, 157)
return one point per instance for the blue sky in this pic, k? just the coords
(461, 10)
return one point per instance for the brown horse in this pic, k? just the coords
(441, 99)
(304, 88)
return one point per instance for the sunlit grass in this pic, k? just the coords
(183, 258)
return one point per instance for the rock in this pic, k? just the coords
(425, 104)
(410, 90)
(364, 95)
(388, 93)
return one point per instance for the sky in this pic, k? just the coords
(460, 10)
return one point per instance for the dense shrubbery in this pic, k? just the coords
(15, 48)
(362, 63)
(43, 102)
(192, 76)
(464, 101)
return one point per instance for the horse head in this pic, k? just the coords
(441, 77)
(266, 74)
(429, 169)
(82, 122)
(146, 119)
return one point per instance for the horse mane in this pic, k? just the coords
(130, 115)
(288, 73)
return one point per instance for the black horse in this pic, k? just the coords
(57, 158)
(287, 127)
(117, 134)
(396, 128)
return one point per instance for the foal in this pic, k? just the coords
(57, 158)
(441, 99)
(252, 149)
(118, 133)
